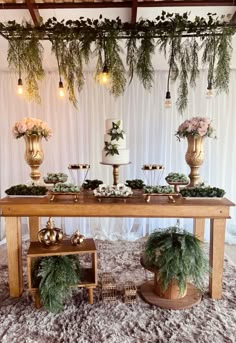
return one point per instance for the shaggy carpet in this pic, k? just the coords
(117, 322)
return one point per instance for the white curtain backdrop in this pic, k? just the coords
(78, 138)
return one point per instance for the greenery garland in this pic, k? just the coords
(181, 40)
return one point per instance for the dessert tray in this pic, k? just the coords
(57, 195)
(119, 191)
(203, 198)
(27, 196)
(113, 198)
(171, 196)
(177, 184)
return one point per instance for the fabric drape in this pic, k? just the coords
(78, 137)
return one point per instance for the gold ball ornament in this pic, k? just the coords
(50, 236)
(77, 238)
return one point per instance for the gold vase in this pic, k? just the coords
(195, 158)
(34, 154)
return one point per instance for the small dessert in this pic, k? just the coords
(152, 166)
(79, 166)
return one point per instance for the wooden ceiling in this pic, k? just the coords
(34, 6)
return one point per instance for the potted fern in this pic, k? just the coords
(176, 257)
(55, 277)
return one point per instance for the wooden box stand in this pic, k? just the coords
(89, 275)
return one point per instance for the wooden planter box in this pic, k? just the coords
(89, 275)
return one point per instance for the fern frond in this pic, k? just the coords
(144, 67)
(57, 275)
(177, 255)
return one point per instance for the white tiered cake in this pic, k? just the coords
(115, 151)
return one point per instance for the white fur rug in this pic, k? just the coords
(210, 321)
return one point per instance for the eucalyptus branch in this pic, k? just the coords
(115, 64)
(70, 65)
(194, 71)
(184, 60)
(171, 63)
(144, 68)
(98, 52)
(222, 71)
(209, 55)
(131, 59)
(25, 57)
(175, 52)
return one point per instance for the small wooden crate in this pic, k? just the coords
(130, 292)
(108, 287)
(86, 249)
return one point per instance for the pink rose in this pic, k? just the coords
(21, 127)
(201, 131)
(194, 123)
(205, 125)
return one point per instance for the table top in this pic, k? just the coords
(64, 248)
(88, 206)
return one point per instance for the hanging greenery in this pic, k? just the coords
(222, 71)
(144, 68)
(25, 55)
(75, 41)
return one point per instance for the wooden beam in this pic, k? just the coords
(111, 4)
(186, 3)
(134, 11)
(34, 12)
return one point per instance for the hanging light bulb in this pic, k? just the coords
(104, 77)
(209, 92)
(168, 100)
(20, 89)
(61, 89)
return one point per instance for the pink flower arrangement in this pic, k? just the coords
(197, 126)
(31, 126)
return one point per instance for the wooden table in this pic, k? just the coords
(217, 210)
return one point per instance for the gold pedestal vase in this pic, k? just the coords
(195, 158)
(34, 154)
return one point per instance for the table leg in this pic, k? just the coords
(217, 239)
(14, 255)
(199, 228)
(33, 228)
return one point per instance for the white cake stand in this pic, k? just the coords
(115, 171)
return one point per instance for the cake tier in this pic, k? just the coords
(121, 143)
(108, 123)
(122, 158)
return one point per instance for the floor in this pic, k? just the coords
(230, 252)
